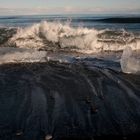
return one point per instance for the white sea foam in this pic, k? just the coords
(57, 35)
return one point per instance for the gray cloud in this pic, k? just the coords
(67, 10)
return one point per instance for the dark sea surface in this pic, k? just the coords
(69, 77)
(128, 22)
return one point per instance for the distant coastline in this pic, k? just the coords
(121, 20)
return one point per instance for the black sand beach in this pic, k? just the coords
(67, 101)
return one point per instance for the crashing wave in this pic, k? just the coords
(58, 36)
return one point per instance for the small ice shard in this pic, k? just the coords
(129, 63)
(21, 55)
(19, 133)
(48, 137)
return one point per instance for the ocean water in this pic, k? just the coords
(83, 34)
(90, 21)
(69, 77)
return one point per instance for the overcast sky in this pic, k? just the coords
(19, 7)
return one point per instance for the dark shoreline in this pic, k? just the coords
(67, 101)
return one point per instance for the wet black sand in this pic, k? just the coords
(67, 101)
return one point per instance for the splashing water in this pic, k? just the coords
(58, 36)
